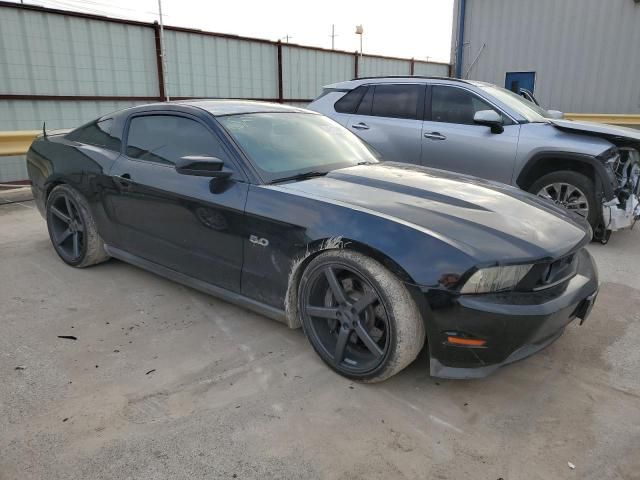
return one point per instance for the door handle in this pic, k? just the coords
(360, 126)
(123, 180)
(435, 136)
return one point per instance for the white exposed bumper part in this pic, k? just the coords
(616, 218)
(624, 210)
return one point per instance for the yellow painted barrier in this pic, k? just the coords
(612, 118)
(16, 143)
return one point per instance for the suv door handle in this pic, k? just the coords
(123, 180)
(360, 126)
(435, 136)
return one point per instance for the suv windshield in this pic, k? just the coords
(283, 145)
(530, 111)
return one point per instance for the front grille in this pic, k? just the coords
(549, 274)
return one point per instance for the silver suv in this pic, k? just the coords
(483, 130)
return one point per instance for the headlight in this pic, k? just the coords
(495, 279)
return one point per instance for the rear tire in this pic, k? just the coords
(72, 229)
(372, 332)
(583, 187)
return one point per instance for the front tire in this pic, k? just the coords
(72, 229)
(358, 316)
(571, 190)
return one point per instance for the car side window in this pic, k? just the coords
(166, 138)
(396, 101)
(350, 101)
(367, 102)
(455, 105)
(97, 134)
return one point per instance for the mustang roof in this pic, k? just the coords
(234, 107)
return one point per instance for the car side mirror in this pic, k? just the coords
(202, 166)
(555, 114)
(489, 118)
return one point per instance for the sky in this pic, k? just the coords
(401, 28)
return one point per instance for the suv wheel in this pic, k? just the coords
(571, 190)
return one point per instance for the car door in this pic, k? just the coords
(452, 141)
(190, 224)
(387, 118)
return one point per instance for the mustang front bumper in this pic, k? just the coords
(514, 325)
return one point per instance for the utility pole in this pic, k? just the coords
(162, 51)
(287, 37)
(333, 37)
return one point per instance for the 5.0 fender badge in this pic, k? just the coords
(263, 242)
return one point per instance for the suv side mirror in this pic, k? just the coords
(555, 114)
(489, 118)
(202, 166)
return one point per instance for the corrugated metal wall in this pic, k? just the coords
(305, 71)
(431, 69)
(372, 66)
(586, 53)
(46, 54)
(206, 66)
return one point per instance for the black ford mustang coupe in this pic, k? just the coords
(285, 212)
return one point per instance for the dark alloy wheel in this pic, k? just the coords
(349, 317)
(67, 228)
(72, 229)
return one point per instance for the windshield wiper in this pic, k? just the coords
(300, 176)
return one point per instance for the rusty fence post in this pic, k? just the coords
(355, 61)
(159, 63)
(280, 86)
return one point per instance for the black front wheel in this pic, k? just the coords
(72, 229)
(358, 316)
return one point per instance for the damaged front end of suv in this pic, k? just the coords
(621, 189)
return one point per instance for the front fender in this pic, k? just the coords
(298, 227)
(603, 174)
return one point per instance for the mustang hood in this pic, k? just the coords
(621, 136)
(486, 220)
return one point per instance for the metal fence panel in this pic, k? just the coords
(43, 54)
(208, 66)
(375, 66)
(305, 71)
(431, 69)
(30, 114)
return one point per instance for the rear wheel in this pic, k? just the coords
(358, 316)
(72, 229)
(571, 190)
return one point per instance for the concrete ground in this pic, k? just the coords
(166, 382)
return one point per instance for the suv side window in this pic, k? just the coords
(349, 102)
(97, 134)
(165, 138)
(456, 105)
(396, 101)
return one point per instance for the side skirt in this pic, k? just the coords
(223, 294)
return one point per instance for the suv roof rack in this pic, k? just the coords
(413, 76)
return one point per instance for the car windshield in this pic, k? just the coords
(286, 144)
(530, 111)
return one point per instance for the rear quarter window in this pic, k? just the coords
(349, 102)
(98, 134)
